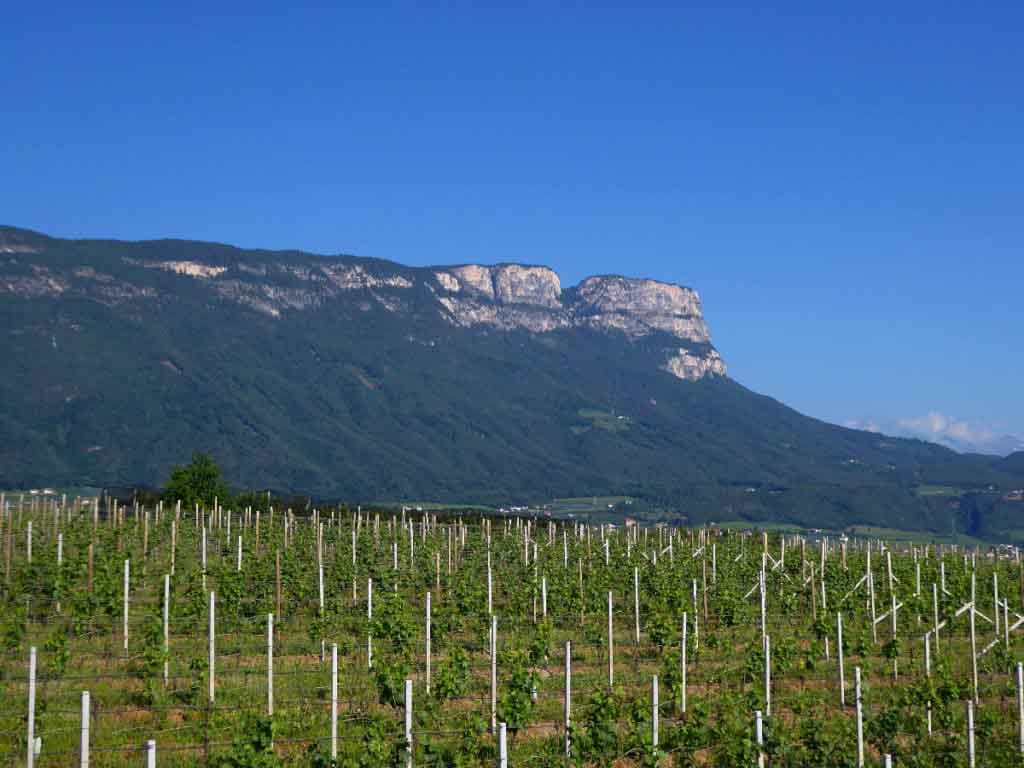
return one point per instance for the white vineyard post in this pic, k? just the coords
(611, 649)
(212, 629)
(369, 623)
(494, 672)
(334, 701)
(935, 614)
(28, 543)
(127, 567)
(887, 760)
(860, 718)
(1020, 705)
(31, 757)
(174, 542)
(682, 664)
(238, 563)
(167, 626)
(428, 643)
(408, 724)
(1006, 623)
(320, 577)
(270, 664)
(970, 734)
(544, 597)
(767, 675)
(83, 744)
(490, 587)
(636, 606)
(839, 655)
(995, 598)
(895, 658)
(568, 695)
(764, 600)
(759, 737)
(151, 754)
(502, 746)
(654, 711)
(928, 674)
(974, 639)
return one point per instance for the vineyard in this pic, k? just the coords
(260, 637)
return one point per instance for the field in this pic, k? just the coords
(714, 625)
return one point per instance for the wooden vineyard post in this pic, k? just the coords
(568, 697)
(31, 719)
(83, 741)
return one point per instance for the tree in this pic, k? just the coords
(199, 482)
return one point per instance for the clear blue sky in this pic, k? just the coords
(843, 182)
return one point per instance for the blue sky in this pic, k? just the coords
(843, 182)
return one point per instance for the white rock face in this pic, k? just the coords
(641, 307)
(190, 268)
(475, 278)
(511, 297)
(538, 286)
(683, 364)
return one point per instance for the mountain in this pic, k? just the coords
(364, 379)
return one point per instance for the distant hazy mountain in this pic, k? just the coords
(367, 380)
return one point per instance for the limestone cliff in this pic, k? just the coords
(502, 297)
